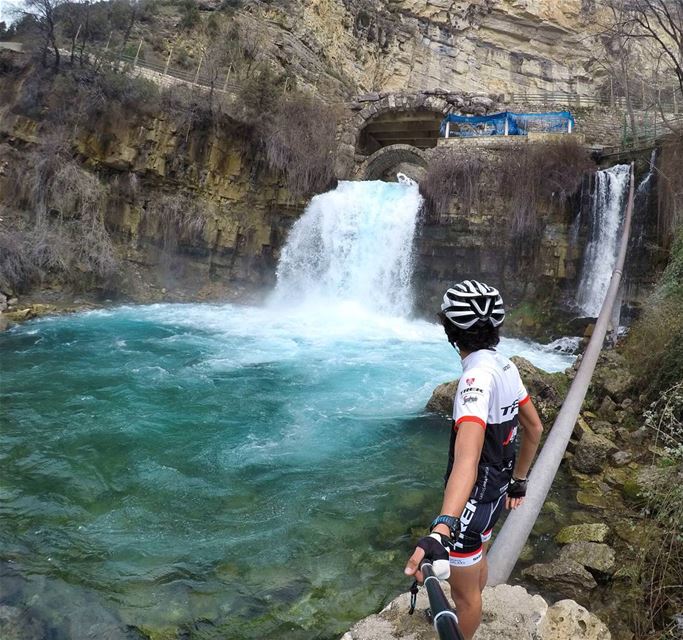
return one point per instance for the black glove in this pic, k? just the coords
(436, 547)
(517, 488)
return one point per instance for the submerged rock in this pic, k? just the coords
(509, 613)
(565, 577)
(596, 532)
(592, 555)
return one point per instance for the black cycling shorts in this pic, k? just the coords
(476, 525)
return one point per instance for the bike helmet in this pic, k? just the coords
(469, 303)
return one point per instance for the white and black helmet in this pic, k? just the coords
(470, 302)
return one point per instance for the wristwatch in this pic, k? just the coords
(451, 522)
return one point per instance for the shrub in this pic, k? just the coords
(452, 175)
(655, 345)
(17, 270)
(67, 236)
(661, 571)
(300, 142)
(535, 177)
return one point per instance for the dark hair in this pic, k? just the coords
(480, 336)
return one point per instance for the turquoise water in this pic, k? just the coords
(216, 470)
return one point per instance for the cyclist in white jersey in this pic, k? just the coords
(483, 473)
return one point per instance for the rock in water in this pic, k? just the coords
(567, 620)
(565, 577)
(596, 532)
(442, 398)
(592, 555)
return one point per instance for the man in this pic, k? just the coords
(483, 473)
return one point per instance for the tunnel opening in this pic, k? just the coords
(417, 128)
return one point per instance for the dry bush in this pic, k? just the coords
(300, 142)
(452, 175)
(67, 236)
(670, 189)
(17, 270)
(174, 219)
(535, 178)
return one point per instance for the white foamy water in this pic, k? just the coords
(600, 255)
(353, 244)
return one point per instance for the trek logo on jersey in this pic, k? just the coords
(510, 408)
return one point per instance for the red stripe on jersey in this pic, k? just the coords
(470, 419)
(524, 400)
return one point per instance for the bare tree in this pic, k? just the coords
(44, 14)
(619, 38)
(661, 21)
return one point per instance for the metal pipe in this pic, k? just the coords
(509, 543)
(445, 620)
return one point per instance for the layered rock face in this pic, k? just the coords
(490, 46)
(243, 211)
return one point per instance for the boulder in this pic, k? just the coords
(621, 458)
(509, 613)
(612, 376)
(564, 577)
(595, 532)
(608, 409)
(591, 452)
(442, 398)
(592, 555)
(567, 620)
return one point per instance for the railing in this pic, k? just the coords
(517, 527)
(669, 101)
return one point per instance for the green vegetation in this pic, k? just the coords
(655, 346)
(661, 571)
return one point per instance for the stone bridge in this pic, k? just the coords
(391, 132)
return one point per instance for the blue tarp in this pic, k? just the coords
(519, 124)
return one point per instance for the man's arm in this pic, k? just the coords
(531, 437)
(467, 451)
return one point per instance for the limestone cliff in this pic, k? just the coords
(490, 46)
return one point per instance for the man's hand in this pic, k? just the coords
(433, 549)
(516, 493)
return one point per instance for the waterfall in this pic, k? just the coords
(600, 255)
(353, 244)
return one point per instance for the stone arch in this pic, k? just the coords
(397, 157)
(394, 103)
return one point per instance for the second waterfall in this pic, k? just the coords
(600, 255)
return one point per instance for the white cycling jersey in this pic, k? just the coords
(489, 393)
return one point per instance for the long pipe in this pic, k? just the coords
(514, 533)
(445, 620)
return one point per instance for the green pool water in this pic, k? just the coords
(217, 471)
